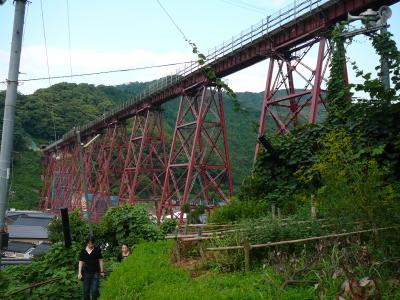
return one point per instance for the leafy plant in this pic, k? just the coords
(128, 224)
(79, 228)
(168, 226)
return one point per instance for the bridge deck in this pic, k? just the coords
(289, 28)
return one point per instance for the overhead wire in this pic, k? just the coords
(245, 5)
(48, 71)
(104, 72)
(69, 40)
(45, 41)
(173, 22)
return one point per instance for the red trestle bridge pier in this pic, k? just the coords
(134, 165)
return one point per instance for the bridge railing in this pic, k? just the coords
(248, 36)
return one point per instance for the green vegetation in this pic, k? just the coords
(58, 262)
(26, 183)
(149, 274)
(124, 224)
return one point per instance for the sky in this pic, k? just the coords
(108, 35)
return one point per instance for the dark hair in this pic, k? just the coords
(125, 244)
(90, 239)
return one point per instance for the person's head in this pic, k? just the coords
(90, 242)
(125, 248)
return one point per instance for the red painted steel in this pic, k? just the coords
(47, 177)
(284, 106)
(198, 170)
(61, 178)
(104, 166)
(146, 158)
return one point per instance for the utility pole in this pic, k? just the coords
(9, 113)
(385, 72)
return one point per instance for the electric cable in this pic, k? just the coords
(45, 41)
(104, 72)
(48, 71)
(173, 22)
(244, 5)
(69, 40)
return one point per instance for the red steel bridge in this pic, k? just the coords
(126, 159)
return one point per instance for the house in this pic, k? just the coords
(28, 234)
(40, 249)
(28, 226)
(20, 250)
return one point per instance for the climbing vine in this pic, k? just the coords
(338, 89)
(201, 60)
(371, 125)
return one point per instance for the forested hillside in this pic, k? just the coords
(52, 111)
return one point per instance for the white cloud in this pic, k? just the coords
(253, 79)
(33, 65)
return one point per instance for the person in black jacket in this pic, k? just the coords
(124, 252)
(90, 267)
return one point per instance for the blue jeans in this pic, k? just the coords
(90, 284)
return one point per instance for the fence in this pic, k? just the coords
(247, 247)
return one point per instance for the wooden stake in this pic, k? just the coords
(246, 245)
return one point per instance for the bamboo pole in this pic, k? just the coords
(247, 249)
(300, 240)
(225, 248)
(319, 237)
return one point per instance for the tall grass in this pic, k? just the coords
(149, 274)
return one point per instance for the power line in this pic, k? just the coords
(69, 40)
(245, 5)
(45, 41)
(103, 72)
(48, 71)
(26, 19)
(173, 22)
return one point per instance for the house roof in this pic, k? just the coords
(29, 213)
(40, 215)
(32, 221)
(41, 248)
(27, 232)
(20, 247)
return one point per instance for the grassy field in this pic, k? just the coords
(149, 274)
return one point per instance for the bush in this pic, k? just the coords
(58, 262)
(79, 228)
(128, 224)
(236, 211)
(350, 186)
(168, 226)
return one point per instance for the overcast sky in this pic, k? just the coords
(123, 34)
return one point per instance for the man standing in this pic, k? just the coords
(90, 267)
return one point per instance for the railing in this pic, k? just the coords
(259, 30)
(247, 247)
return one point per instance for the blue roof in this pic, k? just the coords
(29, 221)
(27, 232)
(20, 247)
(28, 213)
(41, 248)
